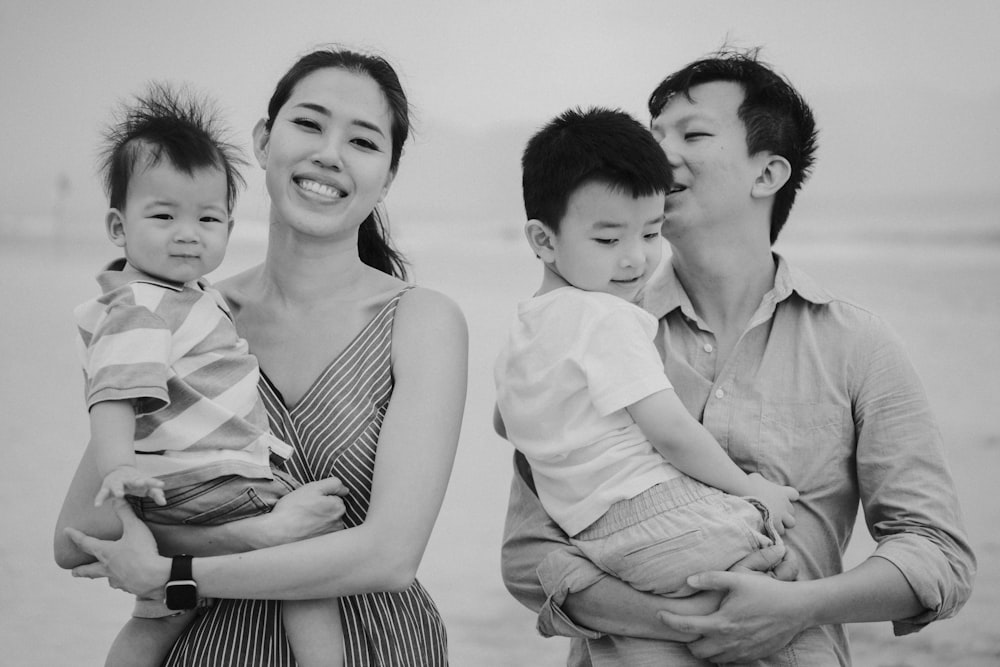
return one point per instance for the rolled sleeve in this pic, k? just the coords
(540, 568)
(906, 488)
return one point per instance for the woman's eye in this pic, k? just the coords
(367, 143)
(307, 123)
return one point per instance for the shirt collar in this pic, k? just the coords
(120, 272)
(664, 293)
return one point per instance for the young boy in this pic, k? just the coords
(175, 416)
(617, 460)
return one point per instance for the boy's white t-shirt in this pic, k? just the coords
(571, 364)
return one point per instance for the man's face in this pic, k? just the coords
(705, 142)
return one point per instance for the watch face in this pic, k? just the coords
(182, 595)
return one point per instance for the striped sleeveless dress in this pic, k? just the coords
(334, 430)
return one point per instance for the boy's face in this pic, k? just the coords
(608, 241)
(174, 226)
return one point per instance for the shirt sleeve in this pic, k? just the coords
(540, 568)
(907, 492)
(620, 359)
(127, 358)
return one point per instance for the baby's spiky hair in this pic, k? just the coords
(167, 122)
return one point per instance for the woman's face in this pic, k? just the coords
(327, 154)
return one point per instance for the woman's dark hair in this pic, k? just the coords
(374, 245)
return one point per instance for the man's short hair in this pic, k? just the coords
(167, 123)
(582, 146)
(774, 114)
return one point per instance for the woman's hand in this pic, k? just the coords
(131, 563)
(312, 509)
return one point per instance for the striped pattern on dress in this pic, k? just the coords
(334, 430)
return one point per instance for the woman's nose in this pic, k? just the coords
(328, 155)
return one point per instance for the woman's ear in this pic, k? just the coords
(775, 172)
(388, 183)
(114, 224)
(541, 239)
(261, 135)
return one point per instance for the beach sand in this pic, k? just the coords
(943, 298)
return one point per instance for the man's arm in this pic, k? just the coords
(922, 568)
(574, 598)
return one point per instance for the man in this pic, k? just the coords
(805, 388)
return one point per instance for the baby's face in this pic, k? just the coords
(174, 226)
(609, 241)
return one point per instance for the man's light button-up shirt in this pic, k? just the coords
(719, 393)
(708, 348)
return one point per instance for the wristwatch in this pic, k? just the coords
(182, 591)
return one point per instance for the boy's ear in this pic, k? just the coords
(541, 239)
(232, 221)
(261, 135)
(114, 224)
(775, 172)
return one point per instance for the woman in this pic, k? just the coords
(362, 373)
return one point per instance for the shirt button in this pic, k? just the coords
(708, 347)
(719, 393)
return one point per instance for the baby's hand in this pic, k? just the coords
(778, 500)
(126, 479)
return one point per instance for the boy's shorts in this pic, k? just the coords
(210, 503)
(659, 538)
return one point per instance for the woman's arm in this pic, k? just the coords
(415, 454)
(312, 509)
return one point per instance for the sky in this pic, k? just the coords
(906, 92)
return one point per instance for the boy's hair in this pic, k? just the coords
(171, 123)
(775, 116)
(580, 146)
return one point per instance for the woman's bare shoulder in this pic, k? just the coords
(424, 311)
(238, 289)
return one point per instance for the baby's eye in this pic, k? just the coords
(652, 236)
(162, 216)
(211, 218)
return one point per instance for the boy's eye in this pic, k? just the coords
(652, 236)
(696, 135)
(607, 241)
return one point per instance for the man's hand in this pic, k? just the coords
(128, 480)
(758, 616)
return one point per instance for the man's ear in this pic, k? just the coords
(774, 173)
(114, 224)
(541, 239)
(261, 135)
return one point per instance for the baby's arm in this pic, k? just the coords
(112, 431)
(688, 446)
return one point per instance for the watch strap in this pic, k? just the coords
(180, 568)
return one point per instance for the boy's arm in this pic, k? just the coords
(112, 432)
(689, 447)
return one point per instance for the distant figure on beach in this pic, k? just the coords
(177, 425)
(364, 374)
(617, 460)
(805, 388)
